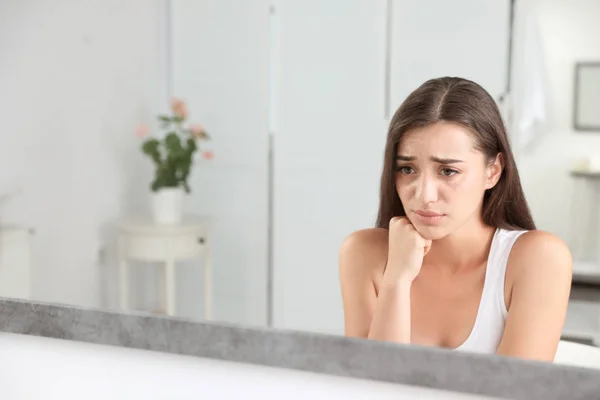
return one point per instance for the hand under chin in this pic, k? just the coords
(430, 232)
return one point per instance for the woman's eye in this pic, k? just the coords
(405, 170)
(448, 172)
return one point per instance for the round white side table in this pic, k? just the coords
(140, 239)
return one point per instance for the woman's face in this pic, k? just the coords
(441, 178)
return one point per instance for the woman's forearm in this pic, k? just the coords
(391, 319)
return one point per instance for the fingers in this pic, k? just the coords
(399, 222)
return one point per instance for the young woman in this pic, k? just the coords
(455, 260)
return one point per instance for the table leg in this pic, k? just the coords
(123, 284)
(161, 293)
(577, 228)
(170, 286)
(208, 284)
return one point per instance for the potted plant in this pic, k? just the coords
(172, 157)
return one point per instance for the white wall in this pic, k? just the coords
(570, 32)
(74, 370)
(76, 78)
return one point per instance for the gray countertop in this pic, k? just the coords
(412, 365)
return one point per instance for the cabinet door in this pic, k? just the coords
(433, 38)
(329, 139)
(220, 66)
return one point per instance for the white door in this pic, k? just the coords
(433, 38)
(220, 66)
(328, 147)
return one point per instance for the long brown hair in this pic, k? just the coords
(465, 103)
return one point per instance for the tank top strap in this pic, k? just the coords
(498, 260)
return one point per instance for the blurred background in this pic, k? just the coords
(296, 96)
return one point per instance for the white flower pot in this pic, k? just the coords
(167, 205)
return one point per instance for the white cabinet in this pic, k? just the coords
(219, 65)
(433, 38)
(328, 149)
(15, 262)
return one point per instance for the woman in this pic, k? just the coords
(455, 260)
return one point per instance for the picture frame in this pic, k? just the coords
(586, 96)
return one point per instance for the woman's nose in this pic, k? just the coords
(426, 190)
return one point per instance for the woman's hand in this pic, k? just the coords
(406, 249)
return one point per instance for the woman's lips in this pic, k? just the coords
(429, 217)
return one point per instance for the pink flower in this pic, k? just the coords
(179, 108)
(142, 131)
(197, 130)
(208, 155)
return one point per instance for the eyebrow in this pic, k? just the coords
(400, 157)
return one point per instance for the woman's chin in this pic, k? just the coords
(431, 232)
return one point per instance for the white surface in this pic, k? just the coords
(40, 368)
(433, 38)
(15, 262)
(569, 353)
(142, 239)
(220, 65)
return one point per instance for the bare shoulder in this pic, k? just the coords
(541, 253)
(539, 296)
(364, 252)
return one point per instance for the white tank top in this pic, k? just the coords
(489, 324)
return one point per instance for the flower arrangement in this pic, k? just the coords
(173, 154)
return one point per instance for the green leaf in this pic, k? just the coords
(172, 155)
(173, 147)
(191, 145)
(150, 148)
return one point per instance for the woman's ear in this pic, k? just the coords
(494, 171)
